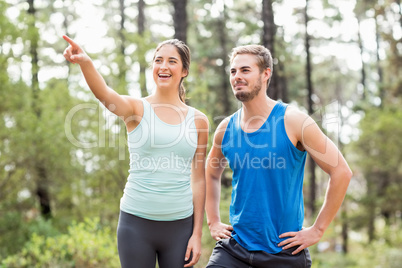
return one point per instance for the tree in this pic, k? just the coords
(180, 19)
(141, 56)
(41, 173)
(121, 33)
(311, 165)
(378, 148)
(223, 95)
(360, 13)
(381, 91)
(52, 128)
(277, 88)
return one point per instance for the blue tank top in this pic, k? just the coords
(158, 185)
(268, 171)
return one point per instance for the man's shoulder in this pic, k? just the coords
(221, 128)
(294, 113)
(225, 122)
(297, 121)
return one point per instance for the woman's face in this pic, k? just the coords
(168, 67)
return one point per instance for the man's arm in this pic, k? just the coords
(328, 158)
(216, 164)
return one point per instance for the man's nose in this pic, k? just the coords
(237, 76)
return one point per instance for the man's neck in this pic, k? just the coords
(260, 106)
(255, 113)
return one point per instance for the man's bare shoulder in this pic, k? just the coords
(294, 111)
(223, 124)
(296, 116)
(297, 122)
(220, 131)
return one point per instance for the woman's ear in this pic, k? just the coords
(184, 73)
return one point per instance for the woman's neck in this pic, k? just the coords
(161, 96)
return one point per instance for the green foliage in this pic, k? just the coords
(330, 260)
(87, 244)
(8, 30)
(362, 255)
(378, 254)
(19, 229)
(208, 242)
(12, 229)
(379, 143)
(380, 138)
(88, 182)
(379, 158)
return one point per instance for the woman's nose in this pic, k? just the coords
(164, 65)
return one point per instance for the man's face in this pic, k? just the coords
(245, 77)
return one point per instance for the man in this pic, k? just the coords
(265, 144)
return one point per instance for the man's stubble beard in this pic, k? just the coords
(248, 96)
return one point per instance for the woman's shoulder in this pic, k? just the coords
(200, 119)
(198, 113)
(135, 103)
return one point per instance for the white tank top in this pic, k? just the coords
(158, 186)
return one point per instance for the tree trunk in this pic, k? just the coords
(344, 210)
(141, 56)
(34, 58)
(180, 19)
(345, 228)
(381, 92)
(41, 176)
(371, 207)
(310, 111)
(398, 2)
(268, 41)
(282, 84)
(277, 87)
(42, 191)
(122, 76)
(223, 96)
(121, 30)
(65, 28)
(224, 90)
(363, 72)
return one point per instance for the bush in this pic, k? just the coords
(374, 255)
(87, 244)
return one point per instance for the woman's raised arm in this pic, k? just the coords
(123, 106)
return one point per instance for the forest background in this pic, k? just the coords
(63, 157)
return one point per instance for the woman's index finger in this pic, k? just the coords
(70, 41)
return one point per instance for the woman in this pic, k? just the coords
(162, 208)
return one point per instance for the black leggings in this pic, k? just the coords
(141, 241)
